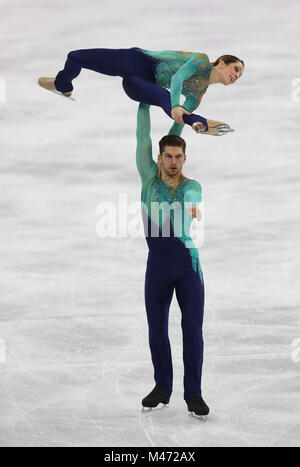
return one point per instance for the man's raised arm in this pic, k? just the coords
(144, 160)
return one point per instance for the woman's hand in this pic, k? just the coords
(177, 113)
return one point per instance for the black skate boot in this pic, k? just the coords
(155, 397)
(197, 406)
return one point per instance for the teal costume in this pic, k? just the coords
(146, 76)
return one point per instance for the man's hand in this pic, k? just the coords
(177, 113)
(195, 212)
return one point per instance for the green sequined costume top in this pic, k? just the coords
(184, 73)
(162, 202)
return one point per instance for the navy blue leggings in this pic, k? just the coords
(136, 68)
(164, 274)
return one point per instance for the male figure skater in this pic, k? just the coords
(169, 203)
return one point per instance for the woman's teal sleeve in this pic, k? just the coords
(191, 103)
(183, 73)
(144, 160)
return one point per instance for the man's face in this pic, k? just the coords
(172, 159)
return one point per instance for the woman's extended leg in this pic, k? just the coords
(141, 90)
(113, 62)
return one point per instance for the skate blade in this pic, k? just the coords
(57, 92)
(159, 407)
(220, 131)
(201, 418)
(224, 129)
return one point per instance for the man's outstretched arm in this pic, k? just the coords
(144, 160)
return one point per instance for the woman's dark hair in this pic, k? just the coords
(228, 59)
(172, 140)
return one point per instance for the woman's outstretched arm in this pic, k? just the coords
(191, 102)
(183, 73)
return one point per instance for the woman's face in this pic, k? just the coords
(231, 72)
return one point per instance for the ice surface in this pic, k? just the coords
(72, 315)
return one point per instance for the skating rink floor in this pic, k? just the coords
(74, 353)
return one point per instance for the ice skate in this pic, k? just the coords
(157, 396)
(48, 83)
(214, 128)
(197, 407)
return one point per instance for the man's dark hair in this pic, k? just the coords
(172, 140)
(228, 59)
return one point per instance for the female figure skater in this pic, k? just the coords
(146, 75)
